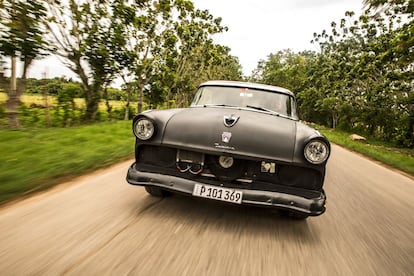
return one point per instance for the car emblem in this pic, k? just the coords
(225, 137)
(231, 120)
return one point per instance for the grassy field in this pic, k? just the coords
(402, 159)
(51, 100)
(34, 159)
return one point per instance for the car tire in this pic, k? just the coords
(155, 191)
(295, 215)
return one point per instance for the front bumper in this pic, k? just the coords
(295, 203)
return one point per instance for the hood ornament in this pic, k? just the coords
(231, 120)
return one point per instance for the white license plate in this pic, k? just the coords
(218, 193)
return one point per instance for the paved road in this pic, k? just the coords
(99, 225)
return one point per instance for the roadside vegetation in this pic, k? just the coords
(33, 159)
(399, 158)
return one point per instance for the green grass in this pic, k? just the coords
(402, 159)
(35, 159)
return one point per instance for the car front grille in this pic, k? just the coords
(243, 173)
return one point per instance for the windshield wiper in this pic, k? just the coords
(261, 108)
(267, 110)
(224, 105)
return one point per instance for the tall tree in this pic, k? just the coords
(362, 76)
(163, 37)
(82, 33)
(22, 38)
(370, 65)
(284, 68)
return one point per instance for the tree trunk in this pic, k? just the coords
(126, 117)
(140, 101)
(92, 98)
(334, 120)
(91, 91)
(13, 98)
(140, 91)
(169, 100)
(46, 101)
(108, 105)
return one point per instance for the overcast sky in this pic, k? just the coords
(256, 28)
(260, 27)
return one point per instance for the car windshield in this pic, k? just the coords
(261, 100)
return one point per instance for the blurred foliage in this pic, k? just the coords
(402, 159)
(160, 49)
(22, 37)
(60, 111)
(41, 157)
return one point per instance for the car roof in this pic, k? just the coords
(247, 85)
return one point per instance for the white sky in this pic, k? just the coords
(256, 28)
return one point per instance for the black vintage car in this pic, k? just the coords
(238, 142)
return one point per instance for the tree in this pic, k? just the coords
(370, 63)
(361, 78)
(293, 71)
(66, 102)
(165, 37)
(21, 37)
(284, 68)
(85, 39)
(181, 75)
(193, 58)
(401, 6)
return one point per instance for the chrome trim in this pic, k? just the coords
(231, 120)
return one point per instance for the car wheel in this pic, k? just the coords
(295, 215)
(155, 191)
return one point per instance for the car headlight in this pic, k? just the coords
(316, 151)
(144, 129)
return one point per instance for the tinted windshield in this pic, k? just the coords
(246, 98)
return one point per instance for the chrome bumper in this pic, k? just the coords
(295, 203)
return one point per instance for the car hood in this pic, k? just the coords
(255, 134)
